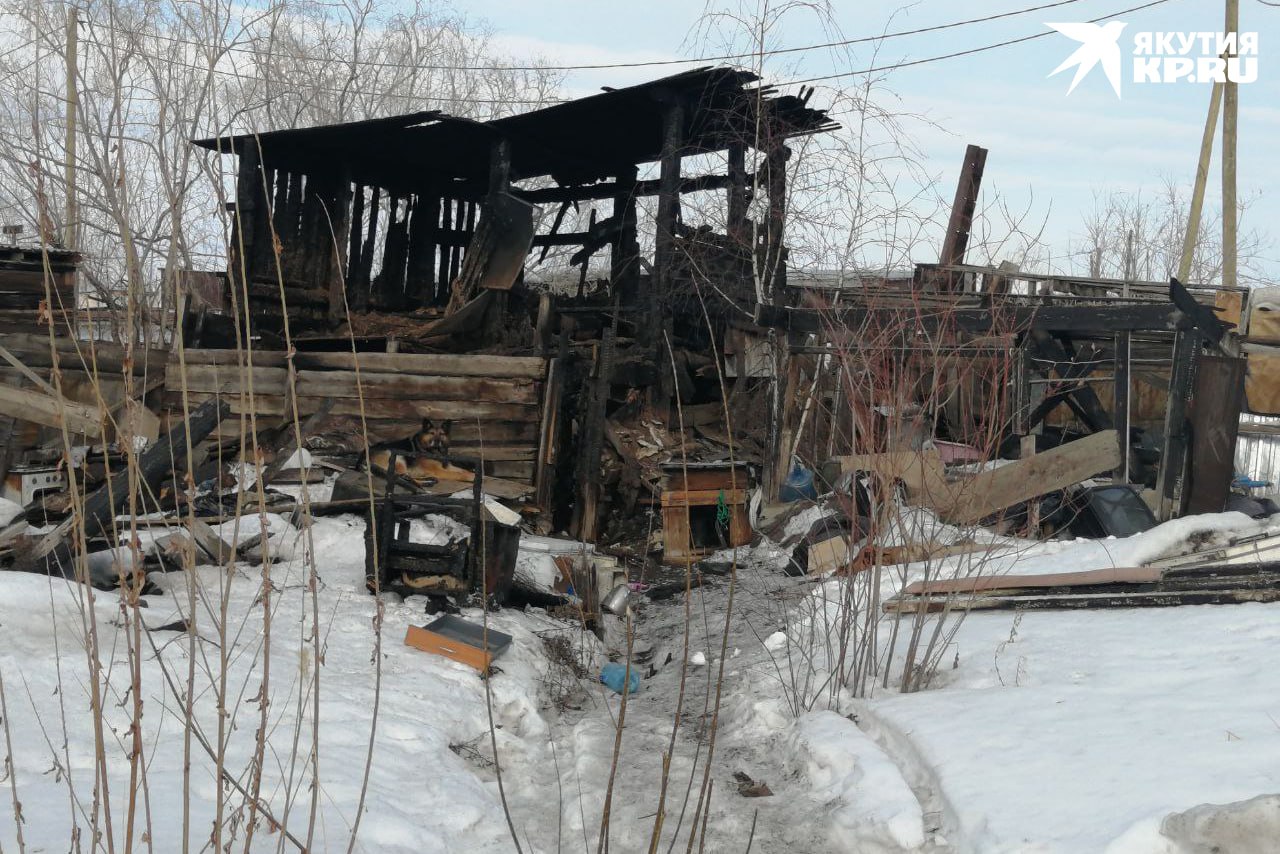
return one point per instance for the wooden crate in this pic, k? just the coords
(690, 495)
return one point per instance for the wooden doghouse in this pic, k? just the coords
(704, 508)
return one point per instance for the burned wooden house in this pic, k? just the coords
(422, 242)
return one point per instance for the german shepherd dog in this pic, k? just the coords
(424, 455)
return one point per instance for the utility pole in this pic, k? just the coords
(1230, 110)
(1202, 177)
(73, 104)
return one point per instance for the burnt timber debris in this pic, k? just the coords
(638, 377)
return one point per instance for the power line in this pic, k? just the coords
(551, 101)
(970, 51)
(610, 65)
(313, 87)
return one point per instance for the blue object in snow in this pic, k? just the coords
(798, 485)
(615, 676)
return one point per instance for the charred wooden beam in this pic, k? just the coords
(55, 556)
(246, 212)
(421, 277)
(611, 189)
(353, 246)
(365, 281)
(1004, 318)
(1215, 419)
(775, 271)
(1121, 381)
(668, 215)
(391, 276)
(624, 257)
(446, 225)
(338, 242)
(957, 238)
(1082, 399)
(1173, 457)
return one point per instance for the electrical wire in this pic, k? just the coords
(551, 101)
(314, 87)
(969, 52)
(611, 65)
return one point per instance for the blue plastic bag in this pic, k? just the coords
(798, 486)
(615, 676)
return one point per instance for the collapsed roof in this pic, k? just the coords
(575, 142)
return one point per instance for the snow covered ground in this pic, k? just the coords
(1100, 731)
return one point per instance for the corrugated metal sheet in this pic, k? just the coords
(1258, 451)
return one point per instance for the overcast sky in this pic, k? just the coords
(1045, 146)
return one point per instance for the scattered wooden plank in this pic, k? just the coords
(42, 408)
(921, 472)
(211, 543)
(1072, 601)
(1139, 574)
(99, 508)
(1057, 468)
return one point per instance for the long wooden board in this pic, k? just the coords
(920, 471)
(417, 364)
(1109, 575)
(41, 408)
(398, 410)
(1057, 468)
(273, 381)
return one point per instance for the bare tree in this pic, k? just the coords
(154, 74)
(1140, 235)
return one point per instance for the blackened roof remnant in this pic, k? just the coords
(575, 142)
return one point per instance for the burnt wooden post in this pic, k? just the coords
(1173, 457)
(246, 213)
(338, 240)
(309, 233)
(445, 283)
(280, 208)
(667, 216)
(291, 233)
(772, 285)
(353, 245)
(1120, 402)
(586, 510)
(365, 279)
(1215, 423)
(624, 260)
(957, 237)
(774, 275)
(499, 182)
(422, 250)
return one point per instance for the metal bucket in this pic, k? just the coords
(617, 600)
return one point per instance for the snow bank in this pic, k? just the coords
(1245, 827)
(871, 808)
(1071, 736)
(431, 787)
